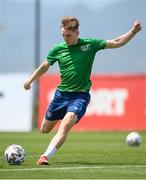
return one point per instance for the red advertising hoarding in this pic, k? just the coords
(118, 102)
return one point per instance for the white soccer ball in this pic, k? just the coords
(133, 139)
(14, 154)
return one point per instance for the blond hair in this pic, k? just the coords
(70, 23)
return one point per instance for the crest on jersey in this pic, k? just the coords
(84, 48)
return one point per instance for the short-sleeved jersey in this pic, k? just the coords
(75, 62)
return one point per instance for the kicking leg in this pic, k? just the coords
(66, 124)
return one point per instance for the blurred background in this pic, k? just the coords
(29, 28)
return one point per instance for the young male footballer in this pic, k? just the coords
(75, 57)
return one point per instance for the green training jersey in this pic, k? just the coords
(75, 62)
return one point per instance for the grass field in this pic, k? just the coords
(85, 155)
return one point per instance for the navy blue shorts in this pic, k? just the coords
(64, 102)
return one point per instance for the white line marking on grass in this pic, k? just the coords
(71, 168)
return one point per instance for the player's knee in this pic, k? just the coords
(71, 116)
(67, 124)
(44, 130)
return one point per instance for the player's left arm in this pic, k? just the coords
(125, 38)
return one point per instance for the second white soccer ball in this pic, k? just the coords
(133, 139)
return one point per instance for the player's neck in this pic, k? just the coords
(74, 42)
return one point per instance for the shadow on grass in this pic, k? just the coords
(83, 163)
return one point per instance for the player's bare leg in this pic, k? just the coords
(47, 126)
(66, 124)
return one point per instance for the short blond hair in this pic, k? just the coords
(70, 23)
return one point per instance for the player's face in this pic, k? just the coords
(70, 37)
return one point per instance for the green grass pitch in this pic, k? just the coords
(85, 155)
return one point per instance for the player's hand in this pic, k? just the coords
(27, 85)
(136, 27)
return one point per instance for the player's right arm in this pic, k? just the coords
(36, 74)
